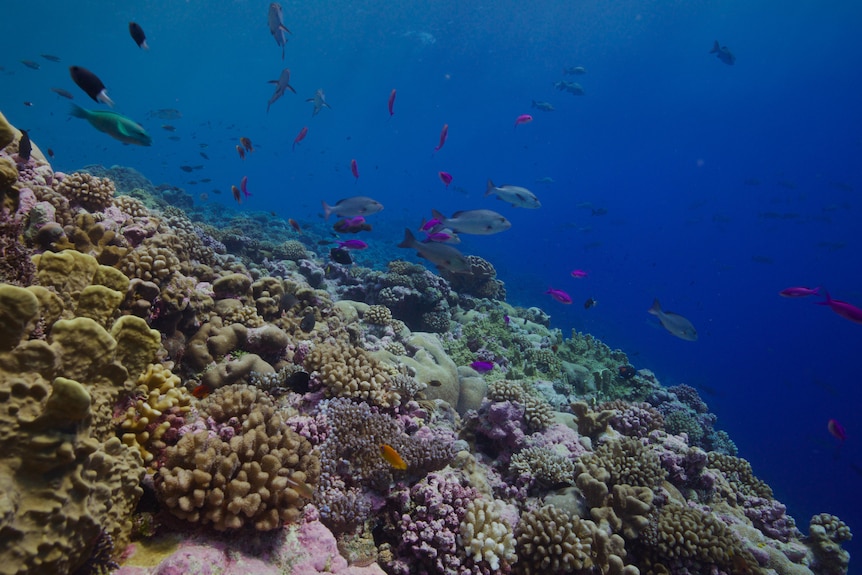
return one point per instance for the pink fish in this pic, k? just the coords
(243, 185)
(799, 292)
(392, 103)
(441, 237)
(429, 225)
(354, 169)
(443, 133)
(352, 245)
(523, 119)
(836, 429)
(446, 178)
(482, 366)
(354, 221)
(842, 308)
(300, 136)
(559, 295)
(579, 274)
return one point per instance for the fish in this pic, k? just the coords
(543, 106)
(169, 128)
(799, 292)
(842, 308)
(514, 195)
(836, 430)
(545, 180)
(579, 274)
(50, 57)
(444, 236)
(241, 151)
(523, 119)
(723, 54)
(91, 84)
(445, 177)
(391, 103)
(201, 391)
(319, 100)
(477, 222)
(301, 487)
(31, 64)
(165, 114)
(442, 255)
(300, 136)
(559, 295)
(444, 133)
(25, 147)
(590, 303)
(352, 225)
(482, 366)
(205, 157)
(275, 18)
(299, 380)
(674, 323)
(50, 153)
(308, 321)
(282, 84)
(246, 143)
(28, 104)
(353, 245)
(571, 87)
(429, 225)
(174, 138)
(187, 169)
(237, 195)
(352, 206)
(575, 70)
(392, 457)
(340, 256)
(295, 225)
(64, 93)
(137, 34)
(354, 169)
(243, 186)
(115, 125)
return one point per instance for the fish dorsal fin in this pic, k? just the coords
(458, 213)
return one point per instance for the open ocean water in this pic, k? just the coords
(674, 176)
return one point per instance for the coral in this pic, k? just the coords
(551, 542)
(739, 475)
(241, 471)
(485, 537)
(627, 461)
(480, 281)
(290, 250)
(378, 315)
(825, 535)
(91, 192)
(633, 419)
(543, 465)
(592, 423)
(7, 132)
(625, 510)
(537, 412)
(347, 371)
(154, 260)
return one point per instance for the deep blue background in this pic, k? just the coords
(664, 139)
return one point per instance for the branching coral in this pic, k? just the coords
(485, 537)
(348, 371)
(537, 412)
(91, 192)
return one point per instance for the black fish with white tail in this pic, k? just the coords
(91, 84)
(137, 34)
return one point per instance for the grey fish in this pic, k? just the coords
(165, 114)
(319, 100)
(570, 87)
(115, 125)
(441, 255)
(352, 207)
(25, 148)
(723, 54)
(478, 222)
(543, 106)
(31, 64)
(515, 195)
(545, 180)
(282, 84)
(50, 57)
(575, 70)
(275, 17)
(64, 93)
(674, 323)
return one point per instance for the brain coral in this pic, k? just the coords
(241, 470)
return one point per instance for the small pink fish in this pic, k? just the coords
(392, 103)
(440, 237)
(559, 295)
(836, 430)
(354, 169)
(352, 245)
(482, 366)
(446, 178)
(523, 119)
(443, 134)
(799, 292)
(243, 185)
(354, 221)
(842, 308)
(579, 274)
(300, 136)
(429, 225)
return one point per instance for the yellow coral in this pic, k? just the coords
(348, 371)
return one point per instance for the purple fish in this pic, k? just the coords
(482, 366)
(352, 245)
(799, 292)
(506, 319)
(842, 308)
(438, 237)
(559, 295)
(429, 225)
(836, 430)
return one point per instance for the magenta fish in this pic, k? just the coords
(352, 245)
(442, 237)
(429, 225)
(444, 133)
(446, 178)
(842, 308)
(391, 103)
(523, 119)
(354, 169)
(559, 295)
(799, 292)
(243, 185)
(836, 430)
(579, 274)
(482, 366)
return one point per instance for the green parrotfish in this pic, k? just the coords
(115, 125)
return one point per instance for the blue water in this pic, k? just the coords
(691, 158)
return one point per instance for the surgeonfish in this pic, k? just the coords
(723, 54)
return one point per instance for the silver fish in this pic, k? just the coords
(515, 195)
(543, 106)
(277, 28)
(575, 70)
(282, 84)
(441, 255)
(319, 100)
(352, 207)
(674, 323)
(478, 222)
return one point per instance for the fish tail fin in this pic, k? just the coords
(77, 111)
(489, 188)
(656, 307)
(409, 239)
(437, 215)
(145, 46)
(327, 210)
(289, 87)
(828, 300)
(105, 99)
(715, 47)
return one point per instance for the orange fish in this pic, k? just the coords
(295, 225)
(392, 458)
(201, 391)
(246, 143)
(241, 152)
(237, 195)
